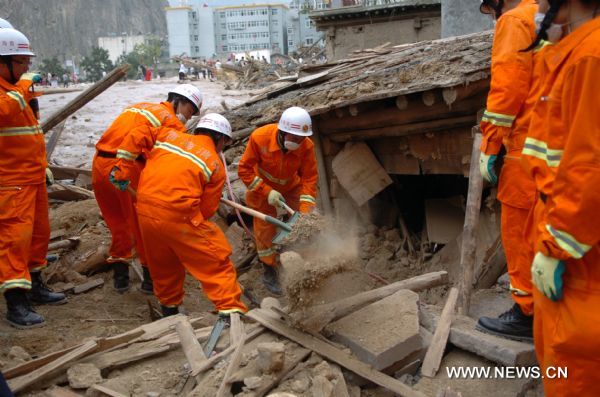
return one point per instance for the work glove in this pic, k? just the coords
(49, 177)
(486, 166)
(114, 179)
(546, 274)
(33, 77)
(275, 198)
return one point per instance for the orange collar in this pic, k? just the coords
(561, 50)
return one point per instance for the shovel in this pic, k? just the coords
(294, 217)
(284, 228)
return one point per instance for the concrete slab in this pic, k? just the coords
(490, 302)
(384, 332)
(463, 335)
(472, 386)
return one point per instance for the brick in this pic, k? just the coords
(384, 332)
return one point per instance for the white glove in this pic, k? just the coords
(49, 177)
(275, 198)
(486, 166)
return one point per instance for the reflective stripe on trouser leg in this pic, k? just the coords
(518, 256)
(17, 215)
(116, 207)
(263, 231)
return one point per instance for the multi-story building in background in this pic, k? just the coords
(197, 30)
(246, 28)
(119, 45)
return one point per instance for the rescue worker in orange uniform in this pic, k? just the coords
(279, 165)
(24, 225)
(118, 206)
(179, 191)
(504, 124)
(562, 153)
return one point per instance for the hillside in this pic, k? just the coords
(69, 28)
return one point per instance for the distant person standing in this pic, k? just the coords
(65, 79)
(182, 71)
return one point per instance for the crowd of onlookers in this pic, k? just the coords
(54, 80)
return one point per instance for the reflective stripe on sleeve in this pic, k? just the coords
(17, 97)
(124, 154)
(255, 183)
(501, 120)
(148, 115)
(307, 198)
(568, 243)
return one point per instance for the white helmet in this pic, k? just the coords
(295, 121)
(13, 42)
(215, 122)
(192, 93)
(5, 24)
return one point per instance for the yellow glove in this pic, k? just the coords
(49, 177)
(546, 274)
(275, 198)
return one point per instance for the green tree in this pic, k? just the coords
(96, 63)
(146, 54)
(52, 65)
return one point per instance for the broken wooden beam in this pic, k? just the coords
(52, 368)
(63, 244)
(225, 387)
(83, 98)
(88, 285)
(436, 349)
(319, 316)
(334, 354)
(468, 251)
(190, 345)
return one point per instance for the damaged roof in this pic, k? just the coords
(369, 75)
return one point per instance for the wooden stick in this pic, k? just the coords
(224, 389)
(83, 98)
(107, 391)
(435, 352)
(189, 344)
(54, 139)
(331, 353)
(468, 249)
(322, 315)
(22, 382)
(323, 179)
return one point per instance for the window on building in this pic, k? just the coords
(195, 37)
(274, 22)
(243, 13)
(274, 11)
(223, 26)
(194, 14)
(290, 43)
(222, 14)
(223, 37)
(290, 30)
(197, 48)
(224, 48)
(309, 41)
(264, 11)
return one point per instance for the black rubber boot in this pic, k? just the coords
(147, 287)
(19, 313)
(169, 310)
(512, 324)
(271, 280)
(121, 276)
(40, 294)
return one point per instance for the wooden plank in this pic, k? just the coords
(468, 252)
(61, 172)
(225, 387)
(58, 391)
(236, 330)
(334, 354)
(323, 314)
(436, 349)
(88, 285)
(359, 172)
(63, 244)
(325, 198)
(52, 368)
(53, 141)
(83, 98)
(189, 344)
(107, 391)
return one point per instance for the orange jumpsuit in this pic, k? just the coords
(24, 225)
(118, 207)
(562, 153)
(505, 122)
(263, 167)
(179, 191)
